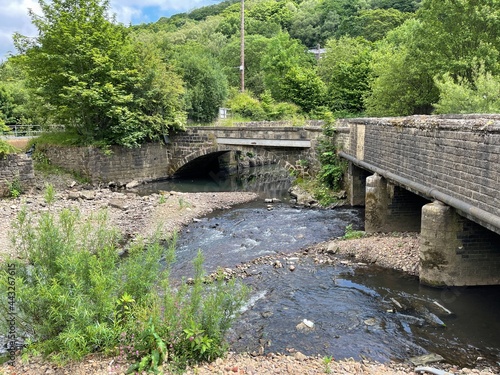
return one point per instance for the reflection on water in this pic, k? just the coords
(268, 181)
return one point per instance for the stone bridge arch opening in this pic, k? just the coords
(215, 162)
(226, 161)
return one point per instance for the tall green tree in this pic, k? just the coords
(399, 85)
(94, 79)
(283, 53)
(255, 49)
(206, 84)
(455, 37)
(345, 69)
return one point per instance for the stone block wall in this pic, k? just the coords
(15, 167)
(456, 155)
(149, 162)
(199, 141)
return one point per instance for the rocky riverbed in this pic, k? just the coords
(134, 215)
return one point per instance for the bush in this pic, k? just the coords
(461, 96)
(75, 295)
(5, 147)
(332, 167)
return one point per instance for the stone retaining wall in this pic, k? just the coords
(15, 167)
(121, 165)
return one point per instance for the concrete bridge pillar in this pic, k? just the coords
(455, 251)
(356, 185)
(390, 208)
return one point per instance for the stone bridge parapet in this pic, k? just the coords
(451, 161)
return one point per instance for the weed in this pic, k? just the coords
(75, 295)
(15, 187)
(49, 194)
(326, 362)
(184, 204)
(162, 199)
(351, 234)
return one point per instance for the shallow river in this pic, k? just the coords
(352, 309)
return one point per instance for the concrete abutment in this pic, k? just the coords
(455, 251)
(390, 208)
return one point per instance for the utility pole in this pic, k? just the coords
(242, 64)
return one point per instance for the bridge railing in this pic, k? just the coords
(29, 130)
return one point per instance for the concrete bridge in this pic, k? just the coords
(436, 175)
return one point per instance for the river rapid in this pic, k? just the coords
(342, 310)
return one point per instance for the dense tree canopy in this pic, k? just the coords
(94, 79)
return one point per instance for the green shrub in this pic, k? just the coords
(243, 104)
(332, 167)
(75, 295)
(461, 96)
(351, 234)
(15, 188)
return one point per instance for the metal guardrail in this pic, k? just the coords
(29, 130)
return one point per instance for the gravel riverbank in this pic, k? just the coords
(134, 215)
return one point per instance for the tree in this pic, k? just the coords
(283, 54)
(480, 96)
(401, 5)
(94, 79)
(459, 37)
(374, 24)
(448, 36)
(345, 69)
(205, 82)
(303, 87)
(255, 49)
(399, 86)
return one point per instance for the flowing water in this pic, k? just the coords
(356, 311)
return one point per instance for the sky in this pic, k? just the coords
(14, 15)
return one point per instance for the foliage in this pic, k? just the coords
(374, 24)
(5, 147)
(247, 106)
(345, 69)
(326, 362)
(17, 102)
(94, 79)
(188, 325)
(206, 84)
(351, 234)
(76, 295)
(303, 87)
(15, 188)
(482, 95)
(255, 48)
(447, 36)
(283, 53)
(332, 167)
(401, 5)
(399, 85)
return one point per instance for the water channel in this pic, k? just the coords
(352, 307)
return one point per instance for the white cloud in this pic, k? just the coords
(14, 18)
(14, 15)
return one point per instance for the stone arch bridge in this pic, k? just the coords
(212, 148)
